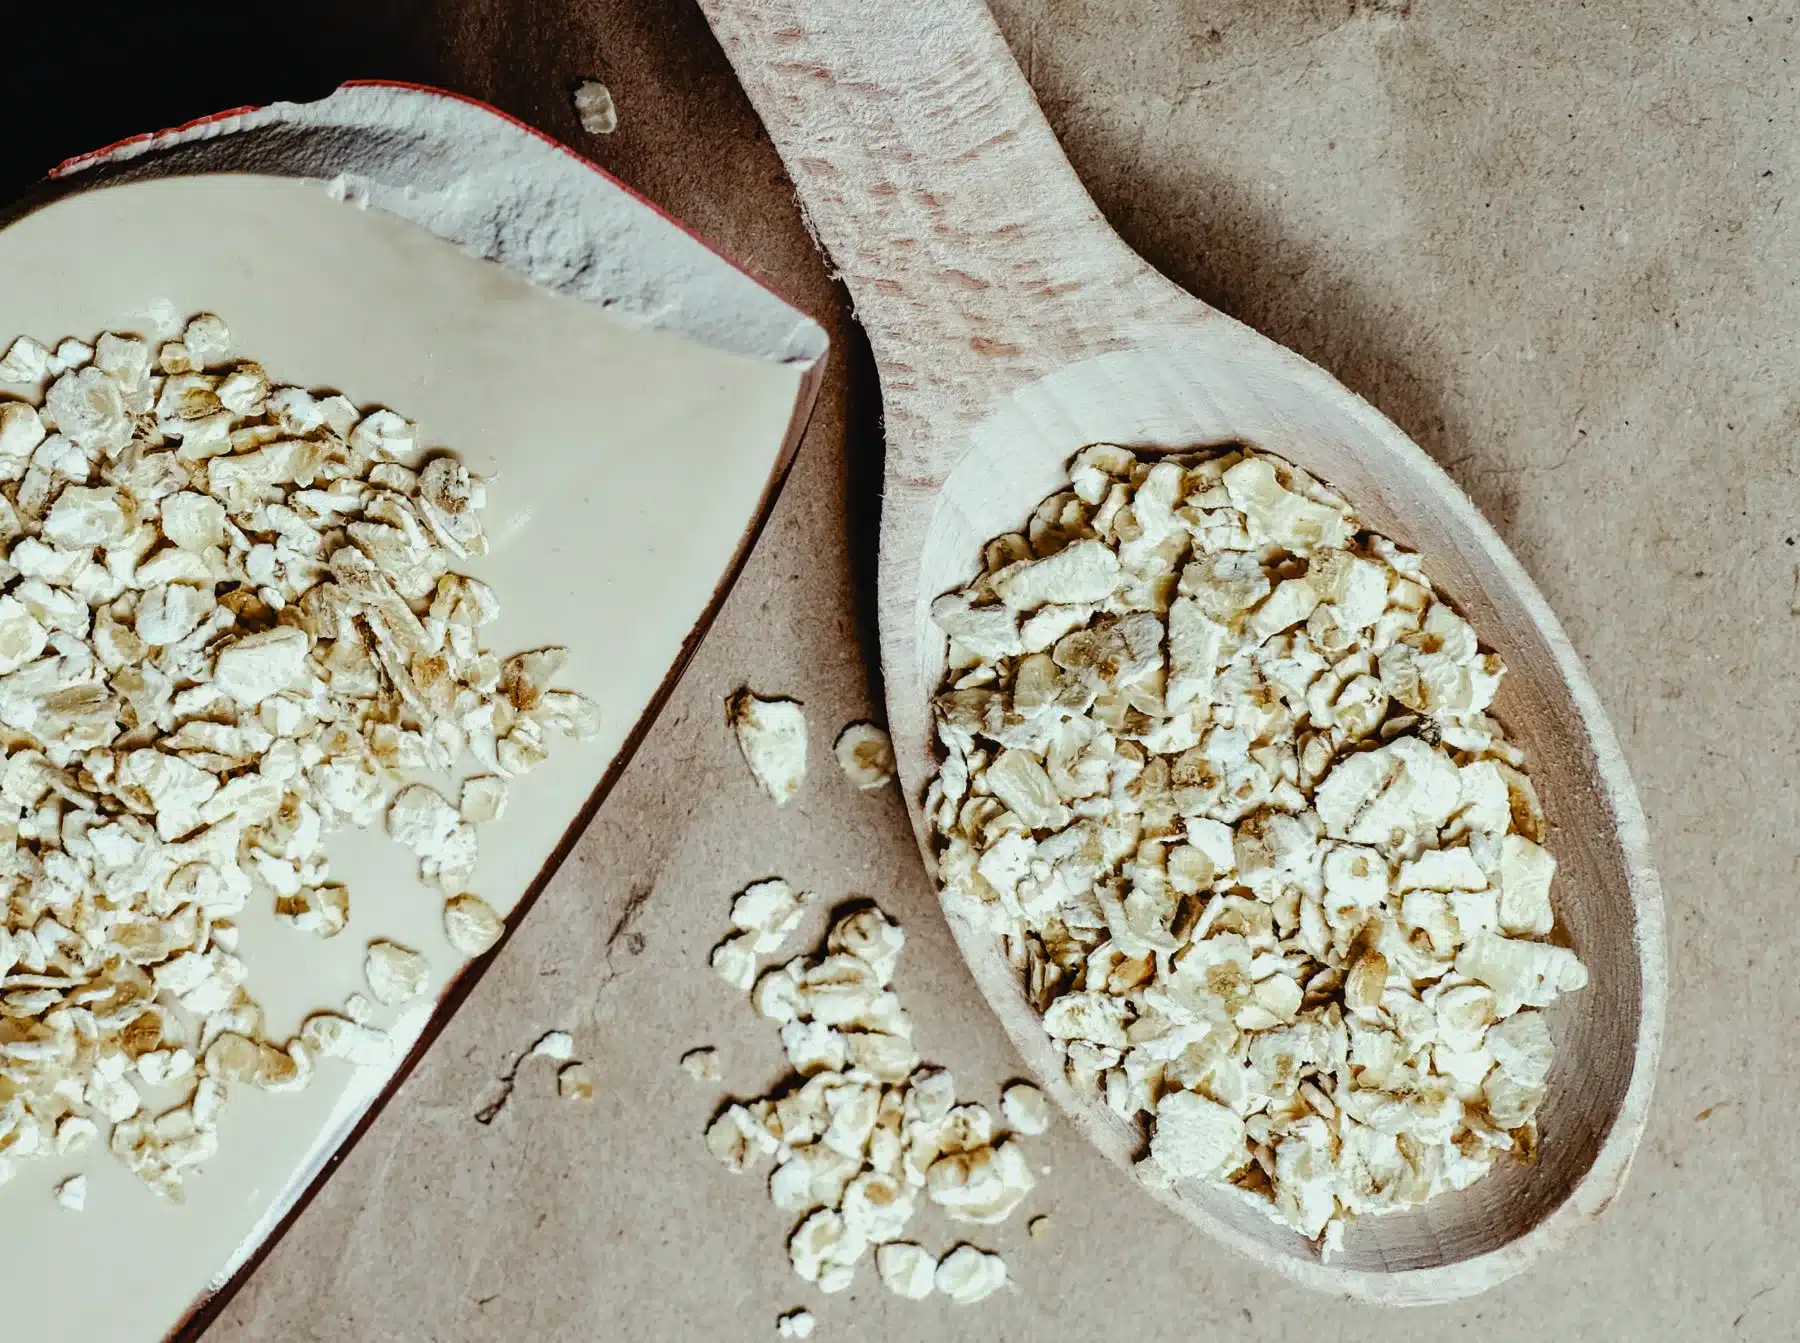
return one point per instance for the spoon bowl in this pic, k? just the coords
(1010, 327)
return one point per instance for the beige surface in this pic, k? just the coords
(1541, 238)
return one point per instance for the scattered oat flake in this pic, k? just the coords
(772, 735)
(75, 1134)
(26, 361)
(1038, 1227)
(795, 1324)
(574, 1082)
(72, 1193)
(967, 1275)
(906, 1269)
(594, 105)
(701, 1064)
(769, 911)
(1217, 762)
(395, 975)
(1024, 1108)
(484, 799)
(471, 924)
(734, 960)
(328, 1035)
(866, 755)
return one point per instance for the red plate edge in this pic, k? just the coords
(209, 1305)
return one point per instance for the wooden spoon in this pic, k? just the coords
(1010, 326)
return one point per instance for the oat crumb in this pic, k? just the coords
(701, 1064)
(772, 735)
(574, 1082)
(594, 105)
(866, 756)
(557, 1045)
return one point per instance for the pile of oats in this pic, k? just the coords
(229, 623)
(864, 1127)
(1218, 768)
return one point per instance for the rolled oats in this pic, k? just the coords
(594, 108)
(471, 924)
(483, 799)
(906, 1269)
(734, 960)
(1218, 765)
(395, 974)
(772, 735)
(865, 755)
(769, 912)
(558, 1046)
(72, 1193)
(232, 627)
(862, 1129)
(1024, 1108)
(967, 1275)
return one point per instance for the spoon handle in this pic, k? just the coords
(973, 254)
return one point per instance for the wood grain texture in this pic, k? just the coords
(1010, 327)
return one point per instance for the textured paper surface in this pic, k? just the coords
(1556, 245)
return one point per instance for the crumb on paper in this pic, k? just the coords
(1310, 960)
(701, 1064)
(967, 1275)
(734, 961)
(234, 627)
(771, 733)
(769, 911)
(865, 755)
(555, 1045)
(574, 1082)
(483, 799)
(795, 1324)
(1024, 1108)
(1038, 1227)
(594, 105)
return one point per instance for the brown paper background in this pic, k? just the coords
(1553, 241)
